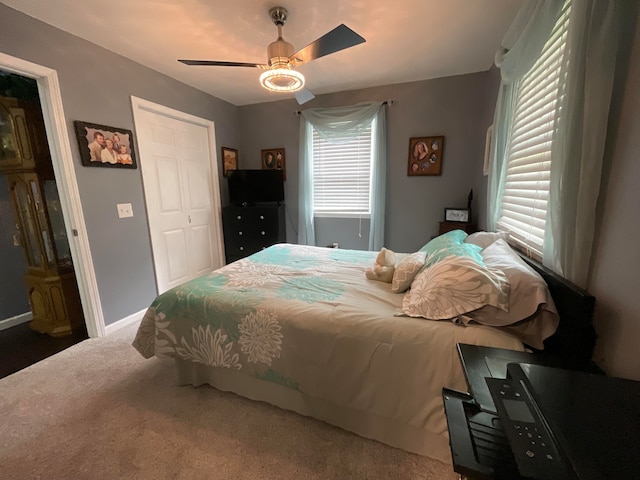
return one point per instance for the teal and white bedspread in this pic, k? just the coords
(306, 318)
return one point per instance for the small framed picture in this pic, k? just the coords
(457, 215)
(274, 159)
(425, 156)
(487, 151)
(229, 160)
(103, 146)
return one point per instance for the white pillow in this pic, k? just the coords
(406, 271)
(532, 315)
(484, 239)
(454, 286)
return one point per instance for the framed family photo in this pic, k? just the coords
(104, 146)
(425, 156)
(274, 159)
(229, 160)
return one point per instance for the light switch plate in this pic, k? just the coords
(124, 210)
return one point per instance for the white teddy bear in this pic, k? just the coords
(384, 267)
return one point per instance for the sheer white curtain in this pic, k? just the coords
(578, 149)
(580, 121)
(333, 124)
(521, 48)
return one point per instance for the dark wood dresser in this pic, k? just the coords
(249, 229)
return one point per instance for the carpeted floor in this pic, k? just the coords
(98, 410)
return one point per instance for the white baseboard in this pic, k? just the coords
(17, 320)
(133, 318)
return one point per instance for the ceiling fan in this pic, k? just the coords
(279, 74)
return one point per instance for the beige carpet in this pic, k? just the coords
(98, 410)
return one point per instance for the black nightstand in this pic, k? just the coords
(447, 226)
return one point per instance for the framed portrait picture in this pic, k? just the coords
(274, 159)
(425, 156)
(103, 146)
(457, 215)
(229, 160)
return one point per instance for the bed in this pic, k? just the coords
(302, 328)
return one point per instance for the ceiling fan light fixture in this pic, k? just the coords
(282, 80)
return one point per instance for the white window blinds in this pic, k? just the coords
(342, 175)
(526, 188)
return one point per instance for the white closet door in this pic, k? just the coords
(182, 194)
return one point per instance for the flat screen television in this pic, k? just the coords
(247, 187)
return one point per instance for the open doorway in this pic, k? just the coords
(40, 308)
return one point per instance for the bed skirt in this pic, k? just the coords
(365, 424)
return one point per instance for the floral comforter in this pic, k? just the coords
(308, 319)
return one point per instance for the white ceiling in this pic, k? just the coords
(406, 40)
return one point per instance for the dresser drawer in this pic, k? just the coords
(250, 229)
(244, 215)
(244, 249)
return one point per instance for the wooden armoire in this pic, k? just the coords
(26, 161)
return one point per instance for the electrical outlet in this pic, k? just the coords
(124, 210)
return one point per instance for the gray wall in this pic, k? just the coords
(96, 87)
(460, 108)
(13, 294)
(616, 264)
(480, 189)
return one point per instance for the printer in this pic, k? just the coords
(547, 423)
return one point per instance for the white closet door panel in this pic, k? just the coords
(198, 187)
(175, 250)
(168, 180)
(176, 159)
(201, 259)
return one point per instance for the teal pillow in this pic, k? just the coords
(454, 237)
(463, 250)
(451, 243)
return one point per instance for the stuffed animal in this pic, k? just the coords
(384, 267)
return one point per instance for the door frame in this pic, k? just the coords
(138, 105)
(64, 172)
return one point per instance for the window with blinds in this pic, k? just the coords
(526, 188)
(342, 175)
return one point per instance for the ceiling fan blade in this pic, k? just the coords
(337, 39)
(222, 64)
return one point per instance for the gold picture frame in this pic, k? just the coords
(229, 160)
